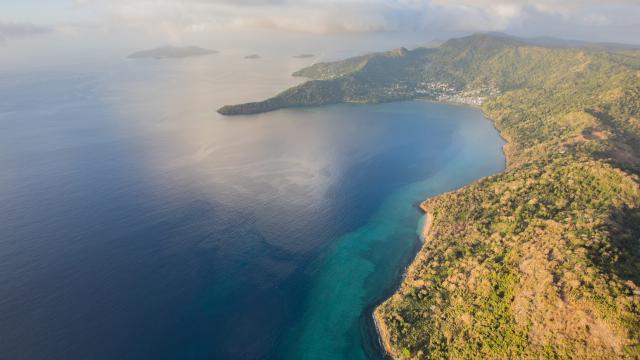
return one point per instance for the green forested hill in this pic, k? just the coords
(464, 65)
(543, 260)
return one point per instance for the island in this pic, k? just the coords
(172, 52)
(252, 57)
(542, 260)
(304, 56)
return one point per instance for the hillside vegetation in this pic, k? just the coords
(543, 260)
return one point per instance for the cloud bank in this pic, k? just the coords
(175, 18)
(353, 16)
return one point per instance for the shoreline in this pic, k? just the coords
(381, 327)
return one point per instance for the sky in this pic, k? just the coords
(178, 21)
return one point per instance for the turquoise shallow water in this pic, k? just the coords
(136, 223)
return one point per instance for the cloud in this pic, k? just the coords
(340, 16)
(11, 30)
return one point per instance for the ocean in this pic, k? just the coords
(137, 223)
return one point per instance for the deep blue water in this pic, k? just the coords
(135, 223)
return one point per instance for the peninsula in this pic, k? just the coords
(542, 260)
(172, 52)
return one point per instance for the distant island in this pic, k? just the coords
(252, 57)
(543, 260)
(303, 56)
(172, 52)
